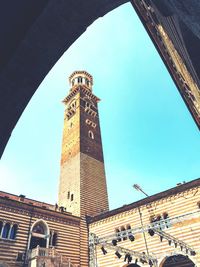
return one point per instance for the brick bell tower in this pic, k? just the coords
(82, 188)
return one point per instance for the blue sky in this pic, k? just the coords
(149, 137)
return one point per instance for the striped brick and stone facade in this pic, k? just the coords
(62, 232)
(175, 211)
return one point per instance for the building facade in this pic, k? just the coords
(30, 230)
(161, 230)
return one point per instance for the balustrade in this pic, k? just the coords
(50, 253)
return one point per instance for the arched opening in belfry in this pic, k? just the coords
(178, 261)
(39, 235)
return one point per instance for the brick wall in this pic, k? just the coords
(82, 187)
(174, 204)
(67, 227)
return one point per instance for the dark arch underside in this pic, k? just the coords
(178, 261)
(133, 265)
(35, 34)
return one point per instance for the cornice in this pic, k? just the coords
(30, 210)
(78, 89)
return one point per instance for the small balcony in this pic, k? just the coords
(43, 257)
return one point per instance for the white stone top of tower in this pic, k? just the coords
(81, 78)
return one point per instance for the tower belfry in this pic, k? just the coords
(82, 188)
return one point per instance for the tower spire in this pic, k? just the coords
(82, 187)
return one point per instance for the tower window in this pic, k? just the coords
(88, 122)
(72, 197)
(91, 134)
(73, 104)
(87, 82)
(68, 195)
(80, 79)
(87, 105)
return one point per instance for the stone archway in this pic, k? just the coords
(178, 260)
(131, 265)
(39, 235)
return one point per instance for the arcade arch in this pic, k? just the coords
(178, 260)
(131, 265)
